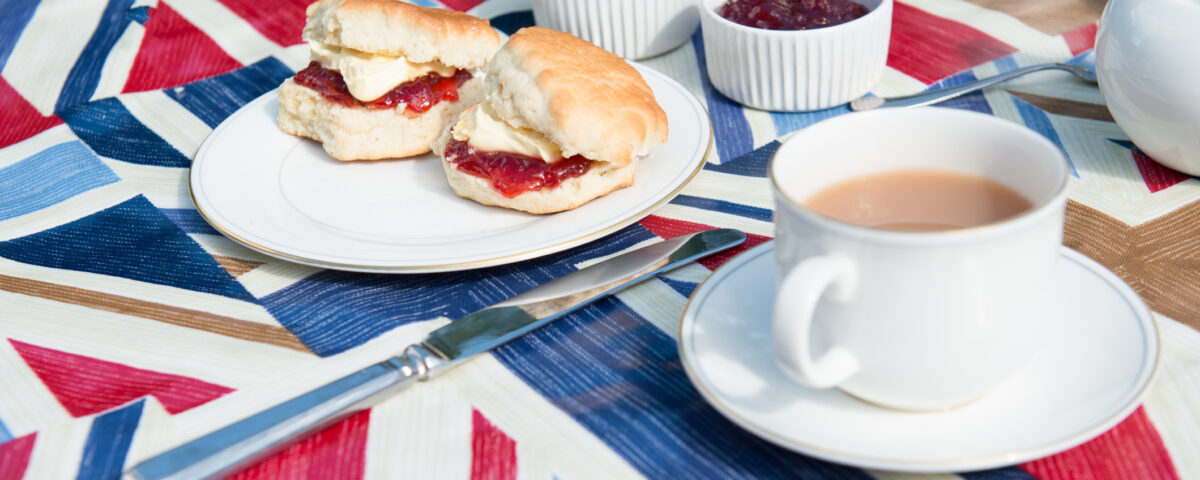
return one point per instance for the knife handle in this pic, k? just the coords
(225, 450)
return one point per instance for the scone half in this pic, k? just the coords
(385, 78)
(563, 122)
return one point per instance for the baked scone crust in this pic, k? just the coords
(359, 133)
(396, 28)
(585, 99)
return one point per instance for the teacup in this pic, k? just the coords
(914, 320)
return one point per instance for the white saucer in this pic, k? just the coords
(1093, 371)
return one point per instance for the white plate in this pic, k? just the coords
(1095, 368)
(283, 196)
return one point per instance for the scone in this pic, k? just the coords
(385, 78)
(563, 122)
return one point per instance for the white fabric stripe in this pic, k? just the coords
(161, 347)
(296, 57)
(33, 145)
(26, 405)
(895, 83)
(144, 3)
(716, 219)
(62, 27)
(1171, 403)
(274, 276)
(278, 383)
(222, 245)
(680, 64)
(68, 210)
(762, 128)
(120, 62)
(565, 449)
(53, 444)
(656, 302)
(165, 187)
(233, 34)
(424, 432)
(167, 295)
(999, 25)
(168, 119)
(752, 191)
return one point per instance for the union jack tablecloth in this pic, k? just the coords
(128, 325)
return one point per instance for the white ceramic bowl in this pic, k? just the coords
(796, 70)
(630, 28)
(1146, 62)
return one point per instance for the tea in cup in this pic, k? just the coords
(917, 252)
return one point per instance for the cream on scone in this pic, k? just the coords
(386, 76)
(563, 122)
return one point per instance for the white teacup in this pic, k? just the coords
(914, 320)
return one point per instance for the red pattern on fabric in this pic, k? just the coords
(461, 5)
(670, 228)
(1082, 39)
(281, 21)
(175, 52)
(1156, 176)
(86, 385)
(929, 48)
(20, 119)
(14, 456)
(1132, 449)
(493, 453)
(338, 451)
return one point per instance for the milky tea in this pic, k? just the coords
(918, 201)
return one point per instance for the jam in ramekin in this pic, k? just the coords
(791, 14)
(418, 95)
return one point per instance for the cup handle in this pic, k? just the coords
(797, 298)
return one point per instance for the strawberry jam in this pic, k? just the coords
(512, 173)
(791, 14)
(418, 95)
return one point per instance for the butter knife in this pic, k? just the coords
(230, 448)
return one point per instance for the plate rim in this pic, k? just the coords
(193, 179)
(948, 465)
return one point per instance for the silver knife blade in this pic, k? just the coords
(229, 448)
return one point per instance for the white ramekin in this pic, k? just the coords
(796, 70)
(630, 28)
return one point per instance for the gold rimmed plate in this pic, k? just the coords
(1099, 355)
(283, 196)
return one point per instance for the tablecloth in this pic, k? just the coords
(130, 325)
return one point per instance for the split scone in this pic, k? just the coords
(385, 78)
(563, 122)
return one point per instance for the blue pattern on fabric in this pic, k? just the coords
(730, 127)
(786, 123)
(723, 206)
(140, 14)
(213, 99)
(50, 176)
(1009, 473)
(16, 16)
(753, 164)
(684, 288)
(107, 127)
(108, 442)
(621, 378)
(5, 435)
(974, 101)
(333, 311)
(85, 75)
(509, 23)
(1037, 120)
(189, 221)
(131, 240)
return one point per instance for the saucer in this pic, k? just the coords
(1092, 372)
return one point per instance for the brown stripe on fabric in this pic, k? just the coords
(178, 316)
(1069, 108)
(1160, 259)
(236, 266)
(1052, 17)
